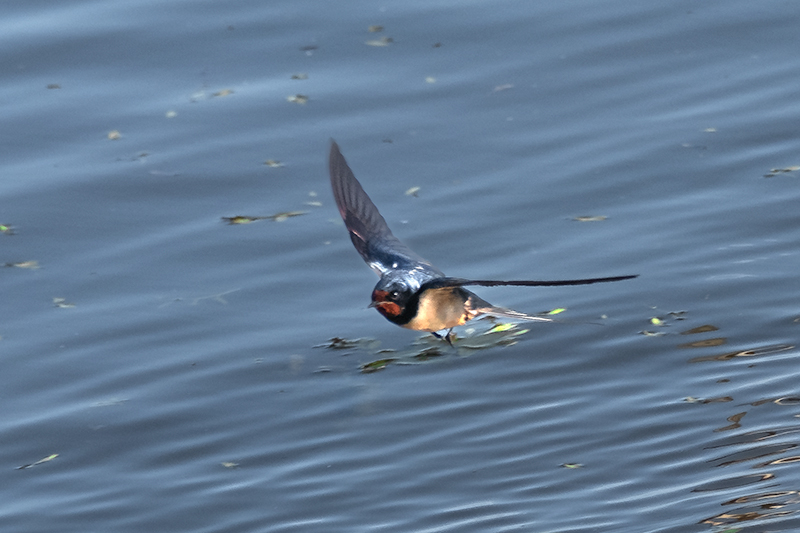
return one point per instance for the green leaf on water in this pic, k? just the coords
(374, 366)
(499, 328)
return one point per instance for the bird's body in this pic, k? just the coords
(411, 292)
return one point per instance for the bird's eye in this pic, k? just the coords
(394, 295)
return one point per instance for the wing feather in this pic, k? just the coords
(368, 230)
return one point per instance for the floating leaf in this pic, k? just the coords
(40, 461)
(223, 92)
(374, 366)
(752, 352)
(556, 311)
(280, 217)
(8, 230)
(277, 217)
(593, 218)
(499, 328)
(33, 265)
(297, 99)
(775, 171)
(700, 329)
(240, 219)
(338, 343)
(704, 343)
(109, 402)
(383, 41)
(656, 321)
(62, 303)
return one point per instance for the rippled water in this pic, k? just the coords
(165, 371)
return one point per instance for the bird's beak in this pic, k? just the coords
(372, 304)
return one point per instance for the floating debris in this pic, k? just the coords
(721, 399)
(62, 303)
(7, 229)
(277, 217)
(274, 163)
(229, 464)
(710, 130)
(33, 265)
(504, 87)
(53, 86)
(109, 402)
(375, 28)
(652, 333)
(759, 351)
(223, 92)
(705, 343)
(502, 334)
(300, 76)
(297, 99)
(374, 366)
(383, 41)
(114, 135)
(338, 343)
(700, 329)
(40, 461)
(500, 328)
(775, 171)
(592, 218)
(171, 114)
(657, 321)
(314, 203)
(487, 333)
(214, 297)
(430, 79)
(572, 465)
(412, 191)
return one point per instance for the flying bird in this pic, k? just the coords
(411, 292)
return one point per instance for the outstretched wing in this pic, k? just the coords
(459, 282)
(368, 230)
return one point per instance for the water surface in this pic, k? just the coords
(169, 359)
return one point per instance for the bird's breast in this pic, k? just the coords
(440, 309)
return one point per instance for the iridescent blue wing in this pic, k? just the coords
(373, 239)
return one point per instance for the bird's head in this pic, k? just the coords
(391, 297)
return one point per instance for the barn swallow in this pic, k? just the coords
(413, 293)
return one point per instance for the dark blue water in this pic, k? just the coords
(171, 369)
